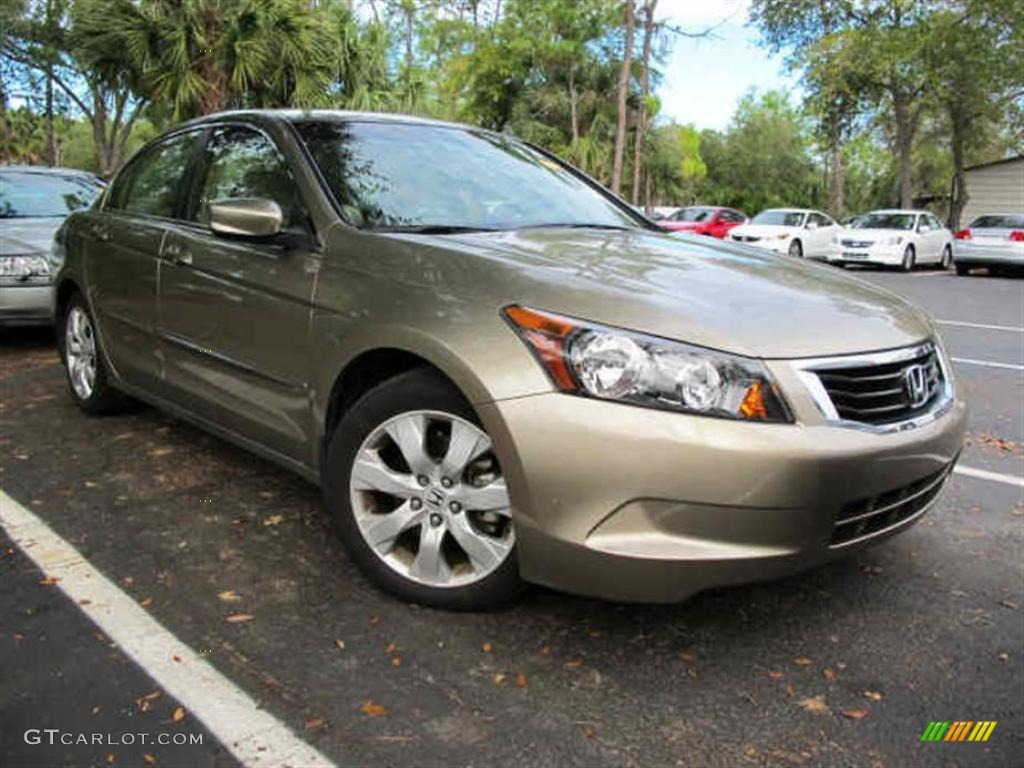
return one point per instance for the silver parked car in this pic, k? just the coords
(993, 240)
(33, 203)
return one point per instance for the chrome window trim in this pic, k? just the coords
(807, 371)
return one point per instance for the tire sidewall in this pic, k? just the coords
(103, 398)
(909, 259)
(796, 249)
(420, 389)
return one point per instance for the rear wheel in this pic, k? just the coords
(416, 490)
(947, 258)
(796, 250)
(83, 361)
(909, 259)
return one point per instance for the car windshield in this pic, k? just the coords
(36, 195)
(885, 221)
(779, 218)
(400, 176)
(693, 214)
(999, 221)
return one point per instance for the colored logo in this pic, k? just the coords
(958, 730)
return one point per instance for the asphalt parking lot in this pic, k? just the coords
(236, 560)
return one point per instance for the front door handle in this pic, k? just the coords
(177, 255)
(100, 232)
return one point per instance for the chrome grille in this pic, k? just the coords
(883, 393)
(745, 238)
(874, 515)
(857, 243)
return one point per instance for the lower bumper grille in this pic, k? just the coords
(864, 518)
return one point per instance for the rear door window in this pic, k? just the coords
(152, 184)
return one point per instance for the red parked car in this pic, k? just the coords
(703, 220)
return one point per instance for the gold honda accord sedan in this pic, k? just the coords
(497, 371)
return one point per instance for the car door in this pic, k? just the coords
(121, 240)
(815, 235)
(235, 312)
(940, 236)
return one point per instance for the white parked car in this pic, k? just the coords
(799, 232)
(896, 238)
(993, 240)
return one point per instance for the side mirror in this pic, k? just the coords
(246, 217)
(812, 225)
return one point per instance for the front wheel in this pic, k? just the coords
(796, 250)
(909, 260)
(414, 485)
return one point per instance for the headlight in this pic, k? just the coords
(24, 267)
(892, 240)
(612, 364)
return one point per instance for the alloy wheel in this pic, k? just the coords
(80, 352)
(430, 501)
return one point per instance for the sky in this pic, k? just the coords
(704, 78)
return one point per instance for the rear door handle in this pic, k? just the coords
(177, 255)
(100, 232)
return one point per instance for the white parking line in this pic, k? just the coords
(984, 474)
(987, 363)
(252, 735)
(984, 326)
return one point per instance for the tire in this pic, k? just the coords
(909, 259)
(408, 485)
(946, 260)
(87, 372)
(962, 269)
(796, 250)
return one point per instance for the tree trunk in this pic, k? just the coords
(623, 93)
(836, 193)
(957, 140)
(645, 90)
(574, 118)
(50, 147)
(904, 130)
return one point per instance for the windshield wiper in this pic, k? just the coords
(433, 229)
(577, 225)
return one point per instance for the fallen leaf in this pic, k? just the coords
(110, 759)
(390, 648)
(872, 695)
(1009, 604)
(146, 601)
(573, 663)
(374, 621)
(152, 696)
(828, 674)
(802, 661)
(150, 760)
(156, 453)
(776, 674)
(855, 714)
(499, 678)
(587, 729)
(314, 723)
(520, 680)
(487, 647)
(815, 705)
(596, 633)
(85, 601)
(95, 710)
(238, 618)
(545, 650)
(372, 709)
(790, 692)
(685, 655)
(178, 715)
(49, 581)
(340, 645)
(396, 661)
(1003, 656)
(176, 659)
(229, 596)
(273, 520)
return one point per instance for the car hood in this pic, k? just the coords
(724, 296)
(875, 234)
(681, 225)
(760, 230)
(29, 235)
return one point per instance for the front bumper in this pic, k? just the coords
(776, 244)
(882, 255)
(635, 504)
(965, 252)
(29, 304)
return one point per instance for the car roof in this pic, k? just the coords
(322, 115)
(792, 210)
(896, 210)
(47, 170)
